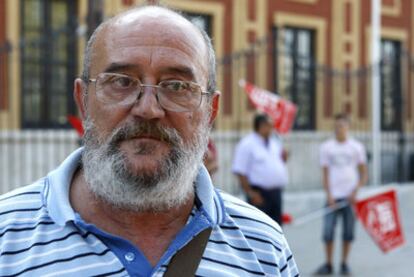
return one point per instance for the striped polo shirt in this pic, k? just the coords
(41, 235)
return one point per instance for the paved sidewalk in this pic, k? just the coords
(366, 259)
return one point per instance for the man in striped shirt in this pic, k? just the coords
(137, 192)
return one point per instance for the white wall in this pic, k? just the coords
(26, 156)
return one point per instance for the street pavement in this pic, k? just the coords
(366, 259)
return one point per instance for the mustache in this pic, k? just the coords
(153, 130)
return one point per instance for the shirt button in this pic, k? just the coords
(129, 257)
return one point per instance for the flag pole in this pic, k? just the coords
(375, 81)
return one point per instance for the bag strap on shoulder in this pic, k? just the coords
(185, 262)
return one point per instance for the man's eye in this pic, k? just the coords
(122, 82)
(176, 86)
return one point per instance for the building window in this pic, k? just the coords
(391, 101)
(48, 62)
(296, 73)
(202, 21)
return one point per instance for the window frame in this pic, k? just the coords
(396, 94)
(47, 64)
(281, 54)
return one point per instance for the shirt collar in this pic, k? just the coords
(58, 186)
(57, 189)
(210, 199)
(261, 139)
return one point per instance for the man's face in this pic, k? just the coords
(148, 140)
(152, 50)
(266, 128)
(341, 128)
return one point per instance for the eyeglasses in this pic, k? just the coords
(172, 95)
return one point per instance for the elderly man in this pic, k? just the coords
(136, 200)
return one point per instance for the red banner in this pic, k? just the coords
(280, 110)
(76, 123)
(379, 215)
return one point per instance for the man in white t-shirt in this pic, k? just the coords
(343, 162)
(259, 163)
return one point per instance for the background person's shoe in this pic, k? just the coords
(325, 269)
(345, 270)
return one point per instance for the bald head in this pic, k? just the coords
(151, 18)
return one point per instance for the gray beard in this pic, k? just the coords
(110, 179)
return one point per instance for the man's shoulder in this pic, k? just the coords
(327, 143)
(256, 243)
(31, 192)
(21, 205)
(248, 139)
(356, 143)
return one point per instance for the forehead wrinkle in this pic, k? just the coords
(137, 43)
(135, 31)
(173, 64)
(139, 24)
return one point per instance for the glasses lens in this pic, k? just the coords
(115, 88)
(173, 95)
(179, 96)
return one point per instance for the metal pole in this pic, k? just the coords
(401, 86)
(95, 15)
(376, 100)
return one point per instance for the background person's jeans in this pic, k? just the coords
(348, 223)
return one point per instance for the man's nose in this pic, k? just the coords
(147, 105)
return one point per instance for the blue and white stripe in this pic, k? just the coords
(39, 235)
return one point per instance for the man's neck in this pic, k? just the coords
(263, 136)
(152, 232)
(341, 138)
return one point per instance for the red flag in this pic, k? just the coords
(280, 110)
(76, 123)
(379, 215)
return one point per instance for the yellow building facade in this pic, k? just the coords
(251, 39)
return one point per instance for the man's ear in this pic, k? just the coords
(80, 97)
(214, 106)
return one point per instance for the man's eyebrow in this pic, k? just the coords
(117, 67)
(184, 71)
(180, 70)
